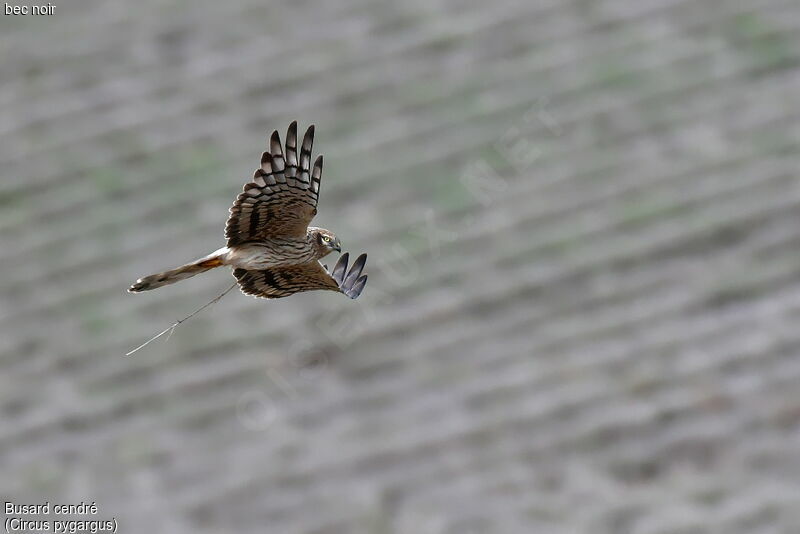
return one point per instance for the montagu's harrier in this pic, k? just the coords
(273, 251)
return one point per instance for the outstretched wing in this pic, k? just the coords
(282, 198)
(284, 281)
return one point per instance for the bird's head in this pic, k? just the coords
(325, 241)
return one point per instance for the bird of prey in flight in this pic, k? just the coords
(271, 247)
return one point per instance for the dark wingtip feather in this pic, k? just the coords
(358, 286)
(355, 270)
(316, 172)
(340, 268)
(353, 283)
(266, 163)
(360, 262)
(308, 140)
(275, 144)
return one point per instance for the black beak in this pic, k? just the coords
(337, 245)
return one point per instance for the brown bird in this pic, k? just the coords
(273, 251)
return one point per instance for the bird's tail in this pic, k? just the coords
(176, 275)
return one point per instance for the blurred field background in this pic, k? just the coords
(582, 219)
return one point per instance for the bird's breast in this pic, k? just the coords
(268, 254)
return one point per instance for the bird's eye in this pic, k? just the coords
(326, 239)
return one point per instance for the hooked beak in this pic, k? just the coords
(337, 245)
